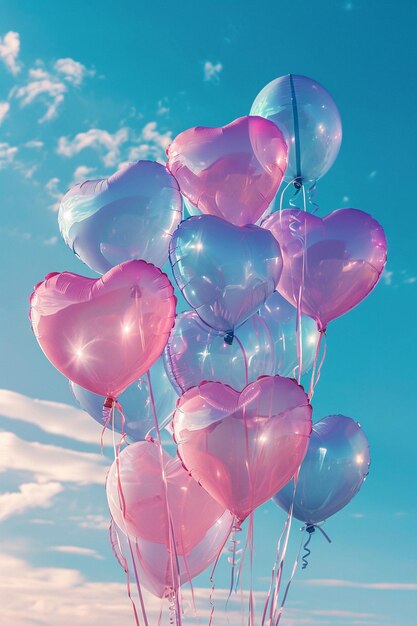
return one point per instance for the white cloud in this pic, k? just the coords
(72, 71)
(51, 241)
(410, 280)
(150, 144)
(77, 550)
(9, 51)
(55, 418)
(35, 144)
(29, 496)
(108, 145)
(387, 277)
(91, 521)
(48, 463)
(7, 155)
(212, 71)
(4, 109)
(81, 173)
(382, 586)
(45, 87)
(53, 190)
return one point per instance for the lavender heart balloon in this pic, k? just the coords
(195, 352)
(330, 263)
(225, 272)
(130, 215)
(334, 468)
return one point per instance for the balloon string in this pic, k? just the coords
(278, 614)
(232, 559)
(307, 552)
(122, 503)
(175, 575)
(268, 597)
(245, 360)
(296, 132)
(251, 620)
(121, 558)
(315, 378)
(212, 580)
(283, 555)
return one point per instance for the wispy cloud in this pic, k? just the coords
(52, 188)
(9, 51)
(212, 71)
(7, 154)
(81, 173)
(151, 143)
(382, 586)
(4, 109)
(29, 496)
(72, 71)
(46, 463)
(79, 551)
(107, 144)
(43, 86)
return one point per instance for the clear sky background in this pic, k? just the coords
(85, 86)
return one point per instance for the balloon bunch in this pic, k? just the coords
(224, 377)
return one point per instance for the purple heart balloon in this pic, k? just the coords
(225, 272)
(130, 215)
(330, 263)
(333, 470)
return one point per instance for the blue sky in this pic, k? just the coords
(85, 86)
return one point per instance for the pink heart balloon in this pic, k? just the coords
(153, 560)
(193, 511)
(104, 333)
(344, 255)
(233, 171)
(240, 446)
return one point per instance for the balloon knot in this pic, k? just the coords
(109, 402)
(298, 183)
(228, 338)
(310, 528)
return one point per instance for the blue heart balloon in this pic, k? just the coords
(281, 318)
(130, 215)
(225, 272)
(195, 352)
(136, 404)
(333, 470)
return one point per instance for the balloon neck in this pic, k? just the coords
(228, 338)
(310, 529)
(109, 402)
(298, 183)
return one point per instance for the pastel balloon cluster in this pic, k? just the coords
(224, 377)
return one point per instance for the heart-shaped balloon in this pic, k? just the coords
(136, 479)
(130, 215)
(104, 333)
(240, 446)
(334, 468)
(225, 272)
(233, 171)
(332, 262)
(153, 560)
(280, 318)
(195, 352)
(138, 413)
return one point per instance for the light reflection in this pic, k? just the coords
(359, 459)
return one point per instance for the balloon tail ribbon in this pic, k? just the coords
(233, 558)
(311, 193)
(251, 620)
(212, 580)
(297, 148)
(175, 571)
(316, 371)
(282, 196)
(278, 614)
(286, 535)
(118, 553)
(245, 360)
(310, 529)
